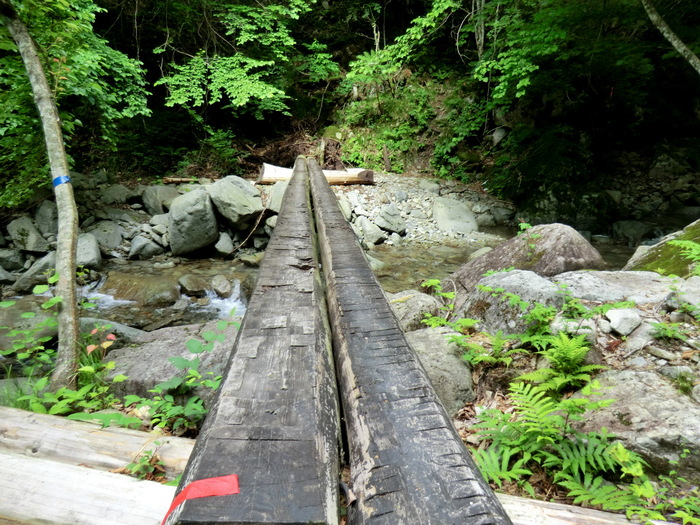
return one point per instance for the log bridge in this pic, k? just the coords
(317, 329)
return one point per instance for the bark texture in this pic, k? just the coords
(66, 365)
(669, 35)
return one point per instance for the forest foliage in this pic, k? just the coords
(517, 96)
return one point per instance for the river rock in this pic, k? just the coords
(143, 248)
(610, 287)
(193, 285)
(449, 374)
(26, 236)
(275, 196)
(109, 235)
(624, 320)
(36, 274)
(222, 286)
(224, 246)
(237, 200)
(389, 219)
(147, 290)
(116, 194)
(651, 418)
(547, 249)
(453, 216)
(46, 217)
(496, 312)
(632, 232)
(410, 307)
(192, 222)
(11, 259)
(270, 225)
(157, 199)
(5, 276)
(367, 231)
(87, 253)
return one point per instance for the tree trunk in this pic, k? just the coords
(67, 360)
(669, 35)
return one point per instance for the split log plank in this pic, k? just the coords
(270, 174)
(275, 422)
(407, 463)
(79, 443)
(39, 491)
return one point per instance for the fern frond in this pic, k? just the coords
(494, 464)
(597, 491)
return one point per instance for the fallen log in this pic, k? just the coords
(39, 491)
(75, 442)
(270, 174)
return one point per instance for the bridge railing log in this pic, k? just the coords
(408, 465)
(275, 420)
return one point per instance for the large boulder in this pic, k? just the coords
(27, 236)
(87, 252)
(146, 362)
(143, 248)
(11, 260)
(46, 217)
(146, 290)
(651, 418)
(410, 307)
(109, 235)
(640, 287)
(192, 222)
(158, 199)
(389, 219)
(449, 374)
(452, 215)
(547, 250)
(36, 274)
(496, 311)
(237, 200)
(275, 195)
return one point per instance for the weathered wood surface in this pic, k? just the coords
(275, 421)
(270, 174)
(75, 442)
(39, 491)
(408, 465)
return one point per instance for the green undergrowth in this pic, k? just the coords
(530, 444)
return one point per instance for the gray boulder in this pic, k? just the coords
(224, 246)
(453, 216)
(640, 287)
(109, 235)
(650, 417)
(146, 363)
(449, 374)
(548, 250)
(36, 274)
(410, 307)
(6, 277)
(389, 219)
(88, 252)
(194, 285)
(157, 199)
(275, 196)
(116, 194)
(237, 200)
(368, 232)
(222, 286)
(624, 320)
(143, 248)
(26, 236)
(145, 289)
(46, 217)
(192, 222)
(270, 224)
(496, 312)
(11, 260)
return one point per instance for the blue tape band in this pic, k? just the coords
(61, 179)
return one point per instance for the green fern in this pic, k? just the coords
(495, 464)
(691, 251)
(599, 492)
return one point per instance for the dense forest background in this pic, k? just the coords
(522, 98)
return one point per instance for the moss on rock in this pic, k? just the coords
(667, 259)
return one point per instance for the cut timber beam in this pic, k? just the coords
(59, 439)
(275, 420)
(38, 491)
(407, 463)
(270, 174)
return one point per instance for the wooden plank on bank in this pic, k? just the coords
(408, 465)
(40, 491)
(59, 439)
(275, 420)
(270, 174)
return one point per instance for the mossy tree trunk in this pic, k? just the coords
(67, 361)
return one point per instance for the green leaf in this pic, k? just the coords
(40, 289)
(120, 378)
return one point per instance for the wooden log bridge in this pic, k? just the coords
(276, 422)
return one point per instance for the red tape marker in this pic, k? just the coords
(205, 488)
